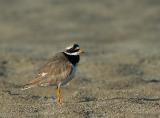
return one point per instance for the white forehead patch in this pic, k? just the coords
(43, 74)
(69, 47)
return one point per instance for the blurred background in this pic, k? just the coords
(117, 77)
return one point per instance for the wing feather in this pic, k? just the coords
(55, 70)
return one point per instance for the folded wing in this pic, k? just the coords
(57, 69)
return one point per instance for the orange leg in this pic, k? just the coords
(58, 95)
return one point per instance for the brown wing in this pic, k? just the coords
(55, 70)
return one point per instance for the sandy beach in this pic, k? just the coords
(118, 76)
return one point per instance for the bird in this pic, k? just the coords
(58, 70)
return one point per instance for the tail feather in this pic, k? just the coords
(28, 86)
(31, 84)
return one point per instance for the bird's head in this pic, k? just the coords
(73, 50)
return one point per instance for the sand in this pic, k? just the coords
(118, 76)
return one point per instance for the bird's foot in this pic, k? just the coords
(59, 97)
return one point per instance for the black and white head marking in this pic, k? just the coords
(72, 50)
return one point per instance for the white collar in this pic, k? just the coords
(75, 53)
